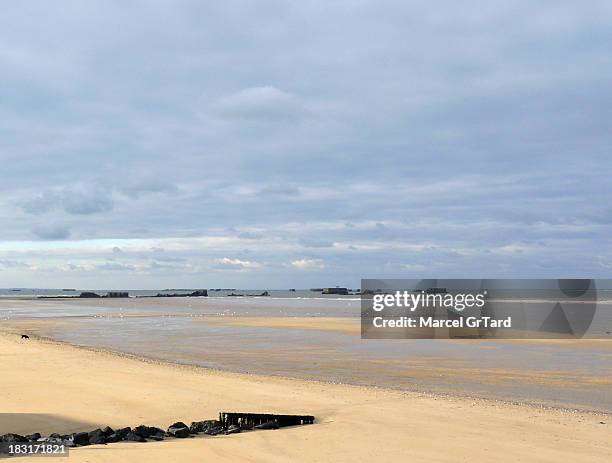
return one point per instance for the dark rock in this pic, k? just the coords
(213, 428)
(179, 430)
(199, 293)
(158, 436)
(210, 424)
(56, 436)
(79, 438)
(181, 433)
(97, 436)
(33, 437)
(133, 437)
(233, 429)
(196, 427)
(68, 443)
(12, 438)
(108, 431)
(113, 438)
(267, 425)
(88, 294)
(202, 426)
(178, 424)
(148, 431)
(214, 431)
(121, 433)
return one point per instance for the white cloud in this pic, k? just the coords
(237, 263)
(304, 264)
(264, 103)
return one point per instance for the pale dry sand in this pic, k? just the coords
(62, 388)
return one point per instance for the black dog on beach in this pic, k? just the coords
(25, 336)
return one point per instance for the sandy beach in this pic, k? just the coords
(55, 387)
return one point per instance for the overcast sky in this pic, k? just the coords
(303, 143)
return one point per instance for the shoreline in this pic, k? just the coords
(220, 371)
(54, 386)
(417, 389)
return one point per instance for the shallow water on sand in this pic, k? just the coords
(193, 331)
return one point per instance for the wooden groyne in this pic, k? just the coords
(251, 420)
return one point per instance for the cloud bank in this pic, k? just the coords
(303, 144)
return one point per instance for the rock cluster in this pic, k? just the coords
(140, 433)
(228, 423)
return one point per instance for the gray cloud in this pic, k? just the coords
(86, 202)
(271, 191)
(13, 264)
(52, 232)
(136, 189)
(76, 201)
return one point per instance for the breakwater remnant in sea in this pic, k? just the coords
(198, 293)
(125, 294)
(91, 295)
(228, 423)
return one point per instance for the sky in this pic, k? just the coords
(278, 144)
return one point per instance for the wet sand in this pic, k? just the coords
(332, 324)
(61, 388)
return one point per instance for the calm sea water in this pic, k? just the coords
(36, 292)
